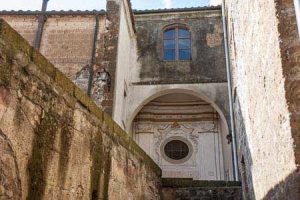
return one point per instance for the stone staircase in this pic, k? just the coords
(188, 189)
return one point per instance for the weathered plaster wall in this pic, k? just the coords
(126, 62)
(265, 143)
(207, 63)
(140, 95)
(204, 76)
(55, 142)
(195, 122)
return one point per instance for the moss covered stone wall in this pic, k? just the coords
(58, 143)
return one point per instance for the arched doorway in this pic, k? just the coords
(186, 136)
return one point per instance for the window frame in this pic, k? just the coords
(183, 160)
(176, 27)
(169, 149)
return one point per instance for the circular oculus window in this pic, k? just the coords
(176, 150)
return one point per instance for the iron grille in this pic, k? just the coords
(176, 149)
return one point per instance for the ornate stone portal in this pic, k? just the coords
(189, 129)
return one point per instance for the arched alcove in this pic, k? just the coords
(186, 135)
(143, 97)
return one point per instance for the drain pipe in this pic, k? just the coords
(41, 23)
(234, 144)
(91, 67)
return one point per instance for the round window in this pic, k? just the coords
(176, 149)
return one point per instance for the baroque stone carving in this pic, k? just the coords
(170, 130)
(175, 130)
(144, 127)
(207, 127)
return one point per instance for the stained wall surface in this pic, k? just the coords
(126, 62)
(207, 62)
(290, 50)
(55, 142)
(67, 40)
(25, 25)
(261, 97)
(203, 75)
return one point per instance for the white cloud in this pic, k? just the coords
(168, 3)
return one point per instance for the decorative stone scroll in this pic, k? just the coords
(172, 130)
(144, 127)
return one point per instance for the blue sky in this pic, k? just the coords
(96, 4)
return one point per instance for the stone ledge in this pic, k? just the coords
(183, 183)
(18, 44)
(177, 82)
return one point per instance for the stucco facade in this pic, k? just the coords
(187, 118)
(203, 77)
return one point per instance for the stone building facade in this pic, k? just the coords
(134, 58)
(182, 100)
(162, 76)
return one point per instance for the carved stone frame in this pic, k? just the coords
(190, 146)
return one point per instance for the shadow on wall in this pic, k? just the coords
(285, 189)
(244, 154)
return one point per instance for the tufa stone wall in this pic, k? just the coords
(54, 141)
(265, 95)
(107, 60)
(25, 25)
(67, 40)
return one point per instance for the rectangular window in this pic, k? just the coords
(170, 54)
(184, 43)
(169, 44)
(182, 33)
(177, 44)
(184, 54)
(170, 34)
